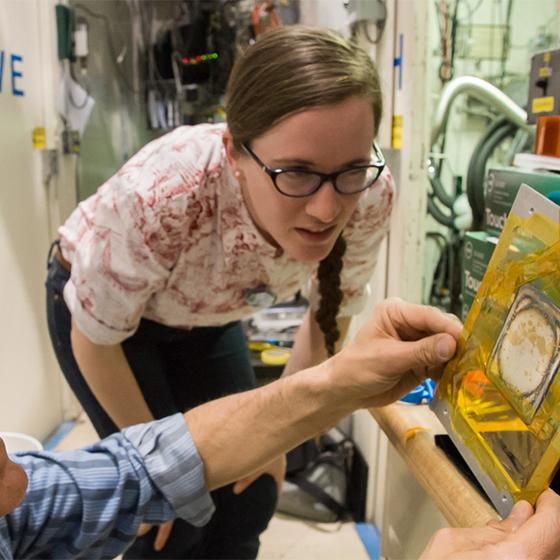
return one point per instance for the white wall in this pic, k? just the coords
(30, 382)
(325, 13)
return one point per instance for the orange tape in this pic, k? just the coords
(411, 432)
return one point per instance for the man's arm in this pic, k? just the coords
(308, 350)
(400, 345)
(391, 354)
(91, 502)
(238, 434)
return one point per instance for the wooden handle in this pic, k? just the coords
(410, 430)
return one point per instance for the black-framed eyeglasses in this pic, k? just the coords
(299, 182)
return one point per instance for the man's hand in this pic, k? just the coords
(400, 346)
(523, 535)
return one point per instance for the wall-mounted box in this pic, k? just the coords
(502, 185)
(477, 251)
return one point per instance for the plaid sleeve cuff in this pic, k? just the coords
(175, 466)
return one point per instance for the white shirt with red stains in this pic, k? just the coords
(169, 238)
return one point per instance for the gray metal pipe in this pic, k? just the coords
(482, 90)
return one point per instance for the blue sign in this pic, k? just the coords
(398, 61)
(15, 73)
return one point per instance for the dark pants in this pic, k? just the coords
(176, 370)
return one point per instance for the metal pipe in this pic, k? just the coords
(482, 90)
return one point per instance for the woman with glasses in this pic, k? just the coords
(150, 276)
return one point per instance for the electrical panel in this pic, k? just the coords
(544, 86)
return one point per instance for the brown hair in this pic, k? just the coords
(290, 69)
(293, 68)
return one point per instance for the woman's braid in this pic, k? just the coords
(331, 294)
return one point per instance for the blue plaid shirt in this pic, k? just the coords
(89, 503)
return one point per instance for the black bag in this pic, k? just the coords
(326, 481)
(301, 456)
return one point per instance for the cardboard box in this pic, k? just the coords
(502, 185)
(477, 251)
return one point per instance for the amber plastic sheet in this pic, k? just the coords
(501, 393)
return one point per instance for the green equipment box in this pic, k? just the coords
(502, 185)
(477, 250)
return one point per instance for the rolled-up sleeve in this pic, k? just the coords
(90, 503)
(174, 464)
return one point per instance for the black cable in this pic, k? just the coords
(438, 279)
(439, 292)
(439, 191)
(446, 286)
(476, 172)
(454, 22)
(438, 215)
(474, 163)
(454, 273)
(440, 276)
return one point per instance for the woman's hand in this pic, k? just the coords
(400, 346)
(276, 469)
(524, 534)
(164, 530)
